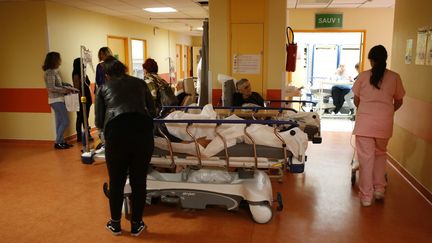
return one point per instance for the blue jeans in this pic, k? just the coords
(61, 120)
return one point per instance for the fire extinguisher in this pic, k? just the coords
(291, 49)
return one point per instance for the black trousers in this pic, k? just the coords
(80, 119)
(128, 149)
(338, 96)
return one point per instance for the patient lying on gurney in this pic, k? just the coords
(210, 144)
(307, 121)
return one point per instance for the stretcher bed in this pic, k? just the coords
(210, 181)
(308, 121)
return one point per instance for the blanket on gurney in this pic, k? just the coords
(262, 135)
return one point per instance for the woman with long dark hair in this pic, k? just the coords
(124, 111)
(378, 93)
(76, 77)
(56, 92)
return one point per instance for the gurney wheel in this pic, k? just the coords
(261, 214)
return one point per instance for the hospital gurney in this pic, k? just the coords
(209, 182)
(309, 122)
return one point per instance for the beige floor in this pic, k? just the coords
(48, 195)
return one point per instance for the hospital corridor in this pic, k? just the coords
(243, 121)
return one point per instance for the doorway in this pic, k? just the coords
(139, 55)
(320, 54)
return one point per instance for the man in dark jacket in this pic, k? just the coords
(245, 94)
(124, 111)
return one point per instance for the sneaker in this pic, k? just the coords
(114, 227)
(366, 203)
(378, 195)
(60, 146)
(137, 228)
(67, 145)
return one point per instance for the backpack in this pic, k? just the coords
(164, 94)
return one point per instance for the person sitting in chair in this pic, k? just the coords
(244, 94)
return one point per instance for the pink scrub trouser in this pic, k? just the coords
(372, 156)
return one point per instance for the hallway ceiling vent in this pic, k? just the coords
(203, 4)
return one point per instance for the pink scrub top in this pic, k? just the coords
(374, 117)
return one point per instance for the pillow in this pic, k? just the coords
(228, 90)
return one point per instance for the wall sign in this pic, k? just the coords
(328, 20)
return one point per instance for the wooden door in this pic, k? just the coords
(120, 49)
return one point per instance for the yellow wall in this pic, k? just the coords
(67, 29)
(378, 24)
(196, 41)
(275, 45)
(23, 45)
(219, 40)
(411, 144)
(271, 13)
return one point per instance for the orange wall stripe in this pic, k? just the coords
(24, 100)
(274, 94)
(217, 97)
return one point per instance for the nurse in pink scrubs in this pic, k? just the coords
(378, 93)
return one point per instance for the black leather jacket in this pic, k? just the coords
(121, 95)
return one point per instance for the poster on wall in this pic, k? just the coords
(429, 48)
(421, 47)
(247, 64)
(408, 51)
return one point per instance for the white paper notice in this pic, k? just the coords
(429, 49)
(408, 51)
(421, 48)
(247, 64)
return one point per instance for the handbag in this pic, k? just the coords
(165, 95)
(72, 102)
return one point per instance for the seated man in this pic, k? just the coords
(245, 94)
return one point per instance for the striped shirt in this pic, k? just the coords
(56, 88)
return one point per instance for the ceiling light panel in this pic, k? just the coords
(160, 10)
(348, 1)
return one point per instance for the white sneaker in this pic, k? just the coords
(366, 203)
(378, 195)
(355, 165)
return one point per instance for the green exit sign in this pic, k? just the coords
(328, 20)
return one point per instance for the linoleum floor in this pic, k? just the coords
(48, 195)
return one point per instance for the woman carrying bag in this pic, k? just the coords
(57, 89)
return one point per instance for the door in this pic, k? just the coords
(179, 62)
(247, 48)
(187, 62)
(139, 54)
(119, 47)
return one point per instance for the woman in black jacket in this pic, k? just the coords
(124, 111)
